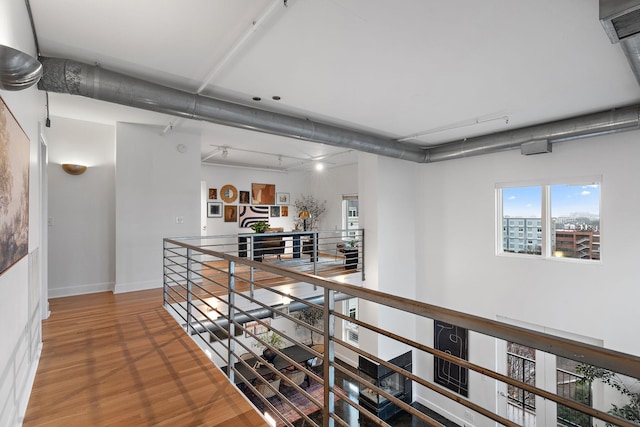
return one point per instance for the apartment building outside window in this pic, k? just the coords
(550, 220)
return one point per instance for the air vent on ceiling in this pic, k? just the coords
(620, 18)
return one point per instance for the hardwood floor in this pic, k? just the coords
(121, 360)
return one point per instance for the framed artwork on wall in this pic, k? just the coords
(275, 212)
(14, 190)
(453, 340)
(214, 210)
(213, 194)
(252, 214)
(283, 198)
(284, 210)
(263, 194)
(245, 198)
(230, 213)
(256, 328)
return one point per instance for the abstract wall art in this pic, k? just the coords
(453, 340)
(14, 190)
(252, 214)
(263, 194)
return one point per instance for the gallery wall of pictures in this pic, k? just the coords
(247, 206)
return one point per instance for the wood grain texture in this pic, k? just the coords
(121, 360)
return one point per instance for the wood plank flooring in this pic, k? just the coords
(121, 360)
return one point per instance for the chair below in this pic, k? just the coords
(296, 377)
(266, 391)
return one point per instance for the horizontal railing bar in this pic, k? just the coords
(450, 395)
(622, 363)
(362, 381)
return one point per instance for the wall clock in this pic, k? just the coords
(228, 193)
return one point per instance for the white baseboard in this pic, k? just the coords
(137, 286)
(91, 288)
(26, 394)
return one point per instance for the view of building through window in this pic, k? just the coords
(350, 215)
(575, 219)
(351, 329)
(521, 365)
(572, 215)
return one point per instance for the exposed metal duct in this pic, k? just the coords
(221, 326)
(612, 121)
(18, 70)
(67, 76)
(621, 22)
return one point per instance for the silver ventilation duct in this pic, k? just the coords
(18, 70)
(221, 325)
(67, 76)
(621, 22)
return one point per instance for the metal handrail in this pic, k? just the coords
(618, 362)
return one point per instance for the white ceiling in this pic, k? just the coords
(422, 70)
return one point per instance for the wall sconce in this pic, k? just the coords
(304, 216)
(73, 169)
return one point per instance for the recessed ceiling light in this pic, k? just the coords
(276, 98)
(257, 98)
(319, 166)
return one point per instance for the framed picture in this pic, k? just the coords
(263, 194)
(230, 213)
(454, 340)
(214, 210)
(213, 194)
(245, 198)
(256, 328)
(251, 214)
(275, 212)
(282, 198)
(14, 190)
(284, 210)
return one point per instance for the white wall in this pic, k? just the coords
(19, 353)
(388, 215)
(458, 267)
(330, 185)
(81, 208)
(293, 183)
(157, 196)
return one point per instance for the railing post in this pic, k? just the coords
(329, 380)
(231, 313)
(316, 242)
(164, 273)
(189, 295)
(364, 245)
(251, 269)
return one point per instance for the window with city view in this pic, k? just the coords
(559, 220)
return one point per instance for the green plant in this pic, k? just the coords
(629, 411)
(315, 208)
(311, 316)
(271, 338)
(260, 226)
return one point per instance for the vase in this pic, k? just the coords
(269, 355)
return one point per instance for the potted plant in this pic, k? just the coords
(311, 316)
(260, 226)
(273, 340)
(314, 208)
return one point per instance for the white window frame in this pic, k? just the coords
(545, 215)
(348, 326)
(348, 233)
